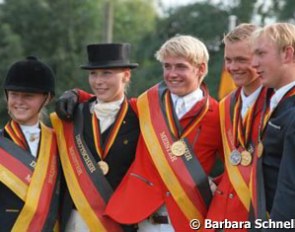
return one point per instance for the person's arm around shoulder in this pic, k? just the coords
(67, 102)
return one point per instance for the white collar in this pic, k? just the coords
(30, 129)
(279, 94)
(248, 101)
(189, 100)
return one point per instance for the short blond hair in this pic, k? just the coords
(282, 34)
(185, 46)
(242, 32)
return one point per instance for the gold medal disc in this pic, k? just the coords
(246, 158)
(103, 166)
(259, 149)
(178, 148)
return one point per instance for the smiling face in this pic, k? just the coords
(24, 107)
(180, 76)
(238, 58)
(109, 84)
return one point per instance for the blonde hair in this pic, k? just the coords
(185, 46)
(282, 34)
(240, 33)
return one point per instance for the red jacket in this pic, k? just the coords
(142, 190)
(226, 203)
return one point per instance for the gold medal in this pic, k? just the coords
(103, 166)
(178, 148)
(259, 148)
(235, 157)
(246, 158)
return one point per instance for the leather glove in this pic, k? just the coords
(66, 104)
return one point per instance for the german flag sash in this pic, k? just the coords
(35, 181)
(183, 175)
(257, 182)
(88, 186)
(241, 136)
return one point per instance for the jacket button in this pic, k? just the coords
(231, 195)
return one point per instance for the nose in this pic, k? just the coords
(231, 66)
(254, 62)
(170, 72)
(98, 80)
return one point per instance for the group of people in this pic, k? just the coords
(115, 164)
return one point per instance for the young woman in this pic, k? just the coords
(98, 146)
(28, 151)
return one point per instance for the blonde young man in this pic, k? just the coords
(241, 114)
(167, 184)
(30, 174)
(274, 60)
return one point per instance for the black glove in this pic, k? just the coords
(66, 104)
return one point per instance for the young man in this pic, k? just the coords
(167, 184)
(241, 116)
(29, 180)
(274, 60)
(98, 146)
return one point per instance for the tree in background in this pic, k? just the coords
(207, 22)
(57, 31)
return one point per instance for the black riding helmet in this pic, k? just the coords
(30, 75)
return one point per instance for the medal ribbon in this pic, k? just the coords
(35, 183)
(257, 182)
(239, 175)
(88, 186)
(243, 127)
(14, 131)
(113, 134)
(174, 171)
(175, 128)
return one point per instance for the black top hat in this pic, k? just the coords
(109, 56)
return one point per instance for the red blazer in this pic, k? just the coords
(142, 191)
(226, 204)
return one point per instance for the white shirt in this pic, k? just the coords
(248, 101)
(188, 101)
(279, 94)
(32, 135)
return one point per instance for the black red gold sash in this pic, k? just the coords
(34, 181)
(257, 182)
(237, 137)
(183, 176)
(101, 150)
(172, 121)
(88, 186)
(14, 131)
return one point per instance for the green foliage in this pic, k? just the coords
(11, 49)
(198, 21)
(287, 11)
(57, 31)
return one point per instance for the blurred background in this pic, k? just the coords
(57, 31)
